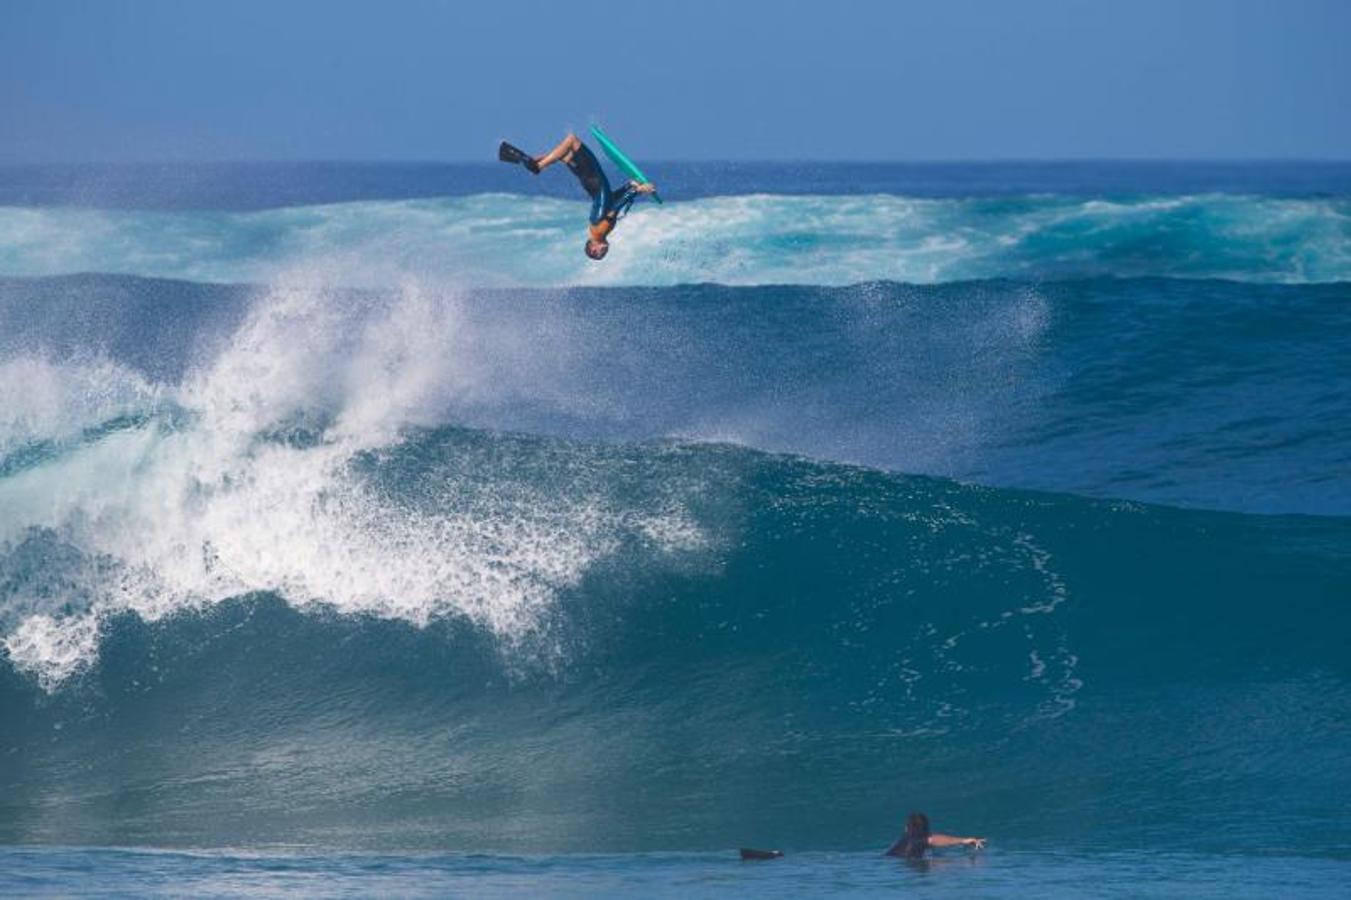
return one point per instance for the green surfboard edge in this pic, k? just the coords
(618, 158)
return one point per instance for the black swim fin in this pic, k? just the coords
(509, 154)
(749, 853)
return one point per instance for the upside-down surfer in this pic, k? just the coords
(607, 206)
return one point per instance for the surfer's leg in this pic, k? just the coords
(563, 151)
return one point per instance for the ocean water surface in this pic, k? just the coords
(359, 535)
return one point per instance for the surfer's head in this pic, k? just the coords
(597, 249)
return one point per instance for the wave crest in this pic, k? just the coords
(507, 240)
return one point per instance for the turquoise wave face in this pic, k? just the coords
(506, 240)
(742, 647)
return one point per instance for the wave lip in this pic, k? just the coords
(1184, 392)
(508, 240)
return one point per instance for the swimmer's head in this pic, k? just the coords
(597, 249)
(916, 839)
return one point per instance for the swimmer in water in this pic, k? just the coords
(913, 846)
(919, 839)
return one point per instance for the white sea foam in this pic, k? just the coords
(53, 648)
(176, 512)
(42, 399)
(1052, 664)
(508, 240)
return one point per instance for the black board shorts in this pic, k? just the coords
(588, 171)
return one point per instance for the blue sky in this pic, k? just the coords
(683, 79)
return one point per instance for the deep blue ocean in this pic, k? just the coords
(359, 535)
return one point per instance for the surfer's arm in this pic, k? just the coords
(645, 187)
(622, 199)
(947, 840)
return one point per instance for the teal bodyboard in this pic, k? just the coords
(619, 159)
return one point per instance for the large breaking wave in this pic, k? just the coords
(1029, 509)
(630, 647)
(291, 565)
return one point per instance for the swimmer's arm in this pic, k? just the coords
(947, 840)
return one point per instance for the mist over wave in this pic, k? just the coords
(1183, 392)
(508, 240)
(249, 474)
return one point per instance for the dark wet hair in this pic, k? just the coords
(915, 841)
(597, 249)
